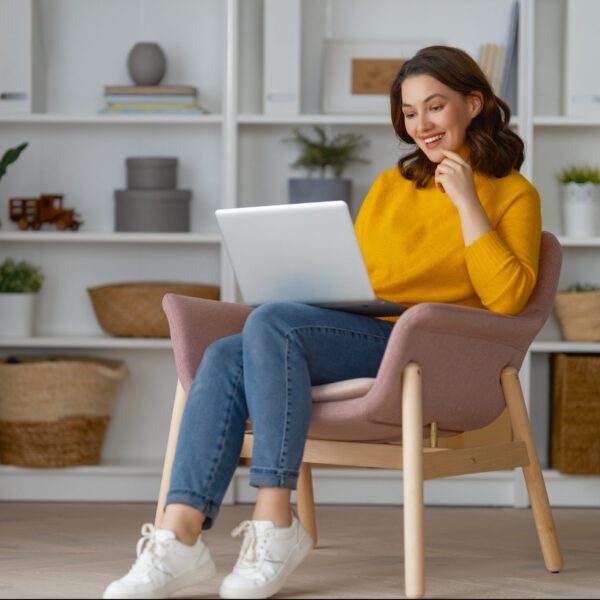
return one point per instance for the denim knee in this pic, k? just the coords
(220, 352)
(271, 319)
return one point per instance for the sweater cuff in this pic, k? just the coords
(486, 250)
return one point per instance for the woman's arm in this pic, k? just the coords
(502, 262)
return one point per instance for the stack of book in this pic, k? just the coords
(492, 60)
(162, 99)
(496, 61)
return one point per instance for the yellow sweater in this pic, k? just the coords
(413, 246)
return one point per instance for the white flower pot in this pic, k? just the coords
(581, 203)
(17, 313)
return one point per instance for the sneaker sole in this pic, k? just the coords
(190, 579)
(301, 551)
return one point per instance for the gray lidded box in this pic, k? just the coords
(152, 210)
(151, 173)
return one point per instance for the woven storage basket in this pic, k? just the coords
(135, 309)
(575, 444)
(54, 410)
(579, 315)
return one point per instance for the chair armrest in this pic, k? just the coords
(195, 323)
(461, 352)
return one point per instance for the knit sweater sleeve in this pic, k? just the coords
(503, 263)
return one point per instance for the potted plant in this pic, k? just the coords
(327, 157)
(581, 197)
(578, 311)
(19, 284)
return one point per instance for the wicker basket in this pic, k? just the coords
(54, 410)
(575, 448)
(579, 315)
(135, 309)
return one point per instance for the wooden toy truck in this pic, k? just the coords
(48, 208)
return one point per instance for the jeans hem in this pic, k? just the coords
(278, 478)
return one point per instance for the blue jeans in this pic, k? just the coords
(265, 373)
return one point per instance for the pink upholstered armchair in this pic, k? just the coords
(446, 370)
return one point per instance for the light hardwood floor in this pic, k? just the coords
(74, 550)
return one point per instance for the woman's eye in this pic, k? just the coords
(437, 107)
(409, 115)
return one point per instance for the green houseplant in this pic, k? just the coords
(324, 155)
(581, 200)
(19, 285)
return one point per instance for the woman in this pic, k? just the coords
(454, 222)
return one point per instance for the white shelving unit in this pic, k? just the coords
(235, 157)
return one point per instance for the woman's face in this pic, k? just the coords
(436, 116)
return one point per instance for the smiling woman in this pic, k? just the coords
(454, 100)
(455, 209)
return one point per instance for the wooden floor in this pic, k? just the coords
(74, 550)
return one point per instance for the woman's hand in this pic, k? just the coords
(455, 177)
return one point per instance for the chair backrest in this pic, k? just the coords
(462, 354)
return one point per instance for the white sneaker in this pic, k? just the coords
(268, 556)
(164, 566)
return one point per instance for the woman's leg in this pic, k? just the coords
(287, 348)
(174, 556)
(210, 441)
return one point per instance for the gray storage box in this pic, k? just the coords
(152, 210)
(151, 173)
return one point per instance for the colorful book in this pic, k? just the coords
(151, 98)
(150, 106)
(178, 90)
(160, 111)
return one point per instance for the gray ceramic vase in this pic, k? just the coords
(147, 63)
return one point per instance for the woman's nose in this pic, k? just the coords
(423, 123)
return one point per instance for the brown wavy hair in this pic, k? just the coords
(495, 150)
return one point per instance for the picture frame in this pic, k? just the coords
(357, 75)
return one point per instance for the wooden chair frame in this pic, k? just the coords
(419, 463)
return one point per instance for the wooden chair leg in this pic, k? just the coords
(176, 415)
(534, 479)
(412, 447)
(306, 502)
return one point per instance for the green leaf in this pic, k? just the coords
(10, 156)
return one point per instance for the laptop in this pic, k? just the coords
(300, 253)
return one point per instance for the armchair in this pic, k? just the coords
(446, 370)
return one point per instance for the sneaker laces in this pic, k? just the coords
(150, 552)
(253, 546)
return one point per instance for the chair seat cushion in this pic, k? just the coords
(349, 389)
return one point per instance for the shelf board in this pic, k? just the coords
(86, 341)
(110, 237)
(322, 119)
(579, 242)
(93, 119)
(565, 121)
(124, 469)
(317, 119)
(544, 346)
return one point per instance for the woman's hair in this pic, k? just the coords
(494, 148)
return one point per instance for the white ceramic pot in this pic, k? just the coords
(581, 202)
(17, 312)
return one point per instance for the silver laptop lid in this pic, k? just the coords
(295, 253)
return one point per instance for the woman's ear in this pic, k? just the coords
(475, 102)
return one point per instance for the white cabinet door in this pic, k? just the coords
(15, 56)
